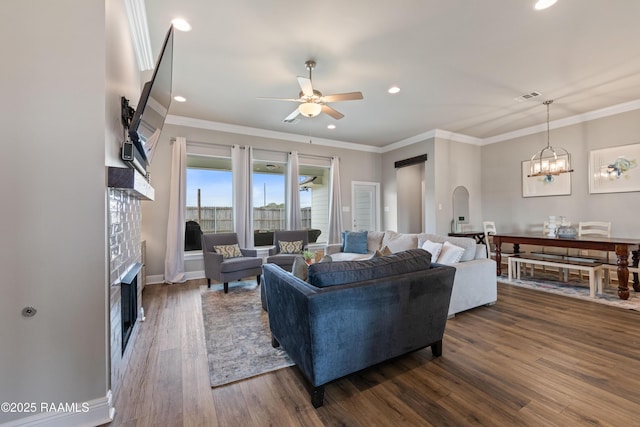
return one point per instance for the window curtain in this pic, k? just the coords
(241, 164)
(335, 203)
(294, 220)
(174, 255)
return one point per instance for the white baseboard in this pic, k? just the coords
(189, 275)
(92, 413)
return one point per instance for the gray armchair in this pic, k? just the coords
(282, 259)
(222, 269)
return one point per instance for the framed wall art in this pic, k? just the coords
(546, 185)
(614, 169)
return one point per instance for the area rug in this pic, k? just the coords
(580, 290)
(237, 335)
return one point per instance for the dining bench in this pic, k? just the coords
(593, 267)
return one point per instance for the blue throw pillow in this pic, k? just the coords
(355, 242)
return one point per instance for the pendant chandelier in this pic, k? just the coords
(550, 161)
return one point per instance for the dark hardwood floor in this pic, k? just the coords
(533, 359)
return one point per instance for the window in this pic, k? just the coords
(269, 196)
(314, 199)
(209, 199)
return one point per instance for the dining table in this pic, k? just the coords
(622, 246)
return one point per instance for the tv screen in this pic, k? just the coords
(154, 102)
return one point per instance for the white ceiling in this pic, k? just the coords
(459, 63)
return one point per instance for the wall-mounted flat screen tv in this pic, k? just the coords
(154, 103)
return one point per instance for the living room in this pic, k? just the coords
(63, 121)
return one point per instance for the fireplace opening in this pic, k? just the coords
(129, 302)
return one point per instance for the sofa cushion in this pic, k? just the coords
(340, 273)
(450, 253)
(349, 256)
(374, 240)
(398, 242)
(355, 242)
(467, 243)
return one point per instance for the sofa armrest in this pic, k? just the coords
(249, 252)
(288, 307)
(212, 263)
(481, 251)
(333, 248)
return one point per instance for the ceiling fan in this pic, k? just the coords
(312, 101)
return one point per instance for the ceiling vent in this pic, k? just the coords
(527, 96)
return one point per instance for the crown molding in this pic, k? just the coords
(567, 121)
(137, 17)
(246, 130)
(434, 133)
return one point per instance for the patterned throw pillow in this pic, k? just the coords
(228, 251)
(290, 247)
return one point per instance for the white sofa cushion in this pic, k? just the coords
(374, 240)
(398, 242)
(349, 256)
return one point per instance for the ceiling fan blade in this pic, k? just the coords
(279, 99)
(291, 116)
(305, 85)
(333, 113)
(350, 96)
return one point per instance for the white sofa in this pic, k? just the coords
(475, 281)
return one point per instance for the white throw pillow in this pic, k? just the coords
(450, 254)
(433, 248)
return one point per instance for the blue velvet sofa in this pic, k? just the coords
(354, 314)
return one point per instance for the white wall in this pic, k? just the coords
(449, 164)
(457, 163)
(354, 166)
(52, 182)
(501, 178)
(410, 190)
(390, 186)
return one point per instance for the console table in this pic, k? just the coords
(621, 246)
(478, 235)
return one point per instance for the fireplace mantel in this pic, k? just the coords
(130, 180)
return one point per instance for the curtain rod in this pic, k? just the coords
(315, 156)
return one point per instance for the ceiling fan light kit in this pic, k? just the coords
(310, 109)
(312, 101)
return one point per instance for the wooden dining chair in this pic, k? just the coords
(596, 228)
(602, 228)
(489, 228)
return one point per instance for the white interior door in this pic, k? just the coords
(365, 202)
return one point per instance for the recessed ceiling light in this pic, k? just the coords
(181, 24)
(543, 4)
(331, 126)
(180, 98)
(393, 89)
